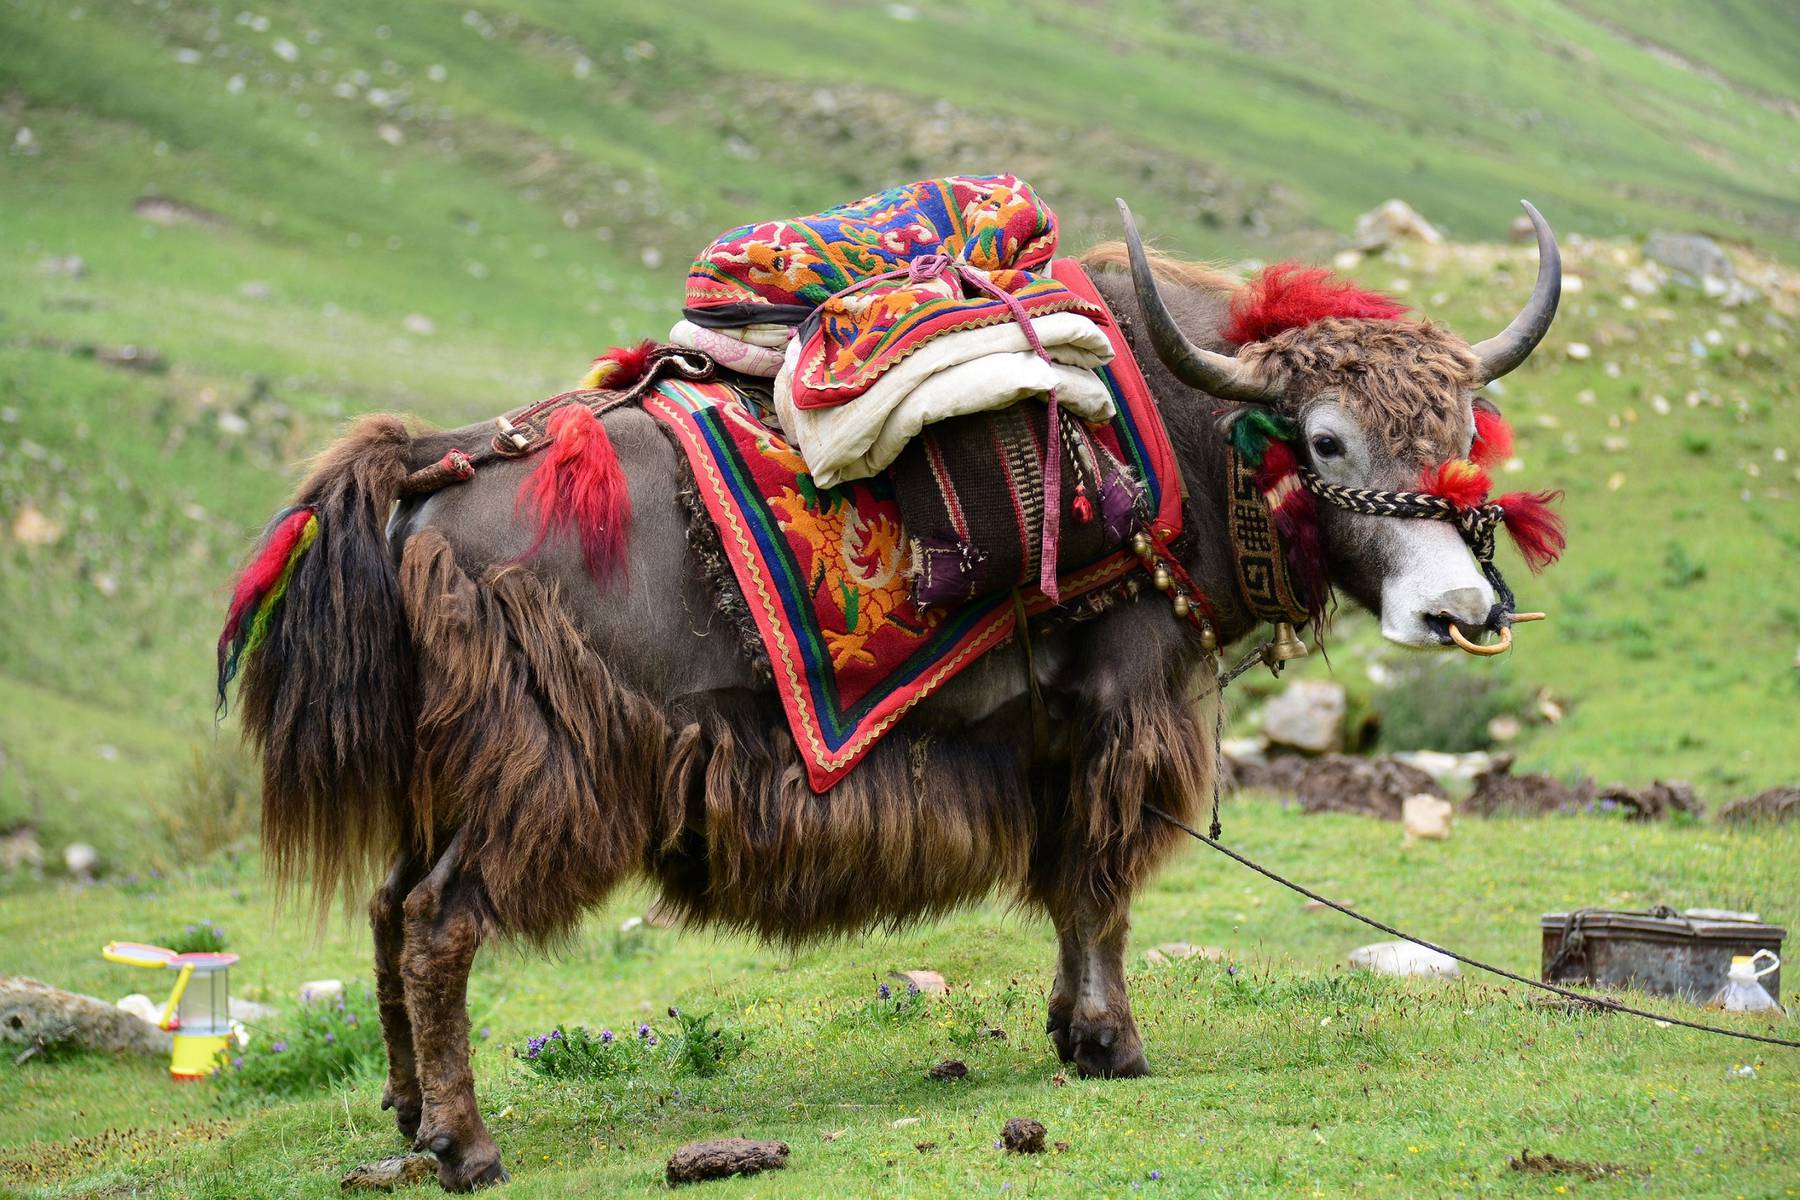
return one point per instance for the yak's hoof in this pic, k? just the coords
(407, 1110)
(461, 1170)
(1058, 1029)
(1107, 1049)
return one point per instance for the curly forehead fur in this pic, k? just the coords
(1407, 383)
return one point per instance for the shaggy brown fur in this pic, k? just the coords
(524, 743)
(329, 698)
(1408, 383)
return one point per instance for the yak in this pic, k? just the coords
(500, 741)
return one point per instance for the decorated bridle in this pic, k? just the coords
(1270, 490)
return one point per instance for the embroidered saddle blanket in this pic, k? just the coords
(827, 573)
(841, 277)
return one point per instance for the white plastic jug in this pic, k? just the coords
(1743, 990)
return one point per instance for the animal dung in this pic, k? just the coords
(1404, 958)
(384, 1175)
(724, 1157)
(1022, 1135)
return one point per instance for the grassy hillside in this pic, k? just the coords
(307, 211)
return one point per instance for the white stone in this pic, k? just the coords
(419, 324)
(141, 1007)
(316, 990)
(1308, 715)
(1447, 768)
(1394, 221)
(1426, 817)
(81, 859)
(1404, 958)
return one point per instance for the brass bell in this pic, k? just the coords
(1209, 641)
(1180, 605)
(1284, 646)
(1140, 545)
(1162, 579)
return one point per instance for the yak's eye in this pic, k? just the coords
(1326, 445)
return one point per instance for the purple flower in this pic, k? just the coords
(556, 1035)
(485, 1033)
(190, 929)
(912, 989)
(651, 1040)
(349, 1018)
(238, 1062)
(674, 1012)
(606, 1035)
(998, 1145)
(884, 991)
(643, 1031)
(330, 1038)
(278, 1047)
(1156, 1174)
(1232, 969)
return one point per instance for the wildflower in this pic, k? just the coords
(330, 1038)
(556, 1035)
(998, 1144)
(237, 1062)
(349, 1018)
(606, 1035)
(190, 929)
(912, 989)
(485, 1033)
(1156, 1174)
(673, 1012)
(651, 1040)
(643, 1031)
(278, 1047)
(884, 991)
(1232, 969)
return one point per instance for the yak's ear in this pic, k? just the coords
(1493, 436)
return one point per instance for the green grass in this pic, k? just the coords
(531, 175)
(1292, 1075)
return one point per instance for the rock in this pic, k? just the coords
(249, 1011)
(35, 1015)
(1176, 951)
(724, 1157)
(1691, 257)
(949, 1070)
(419, 324)
(81, 859)
(1498, 792)
(1308, 715)
(317, 990)
(1393, 221)
(142, 1007)
(159, 210)
(1776, 804)
(1504, 728)
(1447, 768)
(1426, 818)
(63, 266)
(32, 527)
(1521, 229)
(1657, 802)
(389, 1173)
(929, 982)
(20, 851)
(1022, 1135)
(1403, 958)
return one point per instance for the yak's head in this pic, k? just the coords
(1370, 400)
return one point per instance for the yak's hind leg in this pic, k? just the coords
(1096, 1030)
(387, 920)
(443, 930)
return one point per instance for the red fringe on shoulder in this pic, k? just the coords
(579, 482)
(1290, 296)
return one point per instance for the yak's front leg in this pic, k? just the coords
(443, 930)
(1097, 1031)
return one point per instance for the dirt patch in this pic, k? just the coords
(1551, 1164)
(1776, 804)
(1375, 787)
(1022, 1135)
(1498, 792)
(724, 1157)
(1658, 802)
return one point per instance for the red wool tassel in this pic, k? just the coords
(627, 365)
(1459, 481)
(1535, 530)
(1290, 296)
(579, 482)
(1493, 438)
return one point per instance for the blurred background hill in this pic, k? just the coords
(223, 230)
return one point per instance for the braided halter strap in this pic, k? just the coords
(1476, 523)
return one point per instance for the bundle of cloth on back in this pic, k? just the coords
(911, 307)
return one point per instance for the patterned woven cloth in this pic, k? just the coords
(833, 275)
(825, 572)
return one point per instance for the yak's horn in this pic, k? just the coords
(1220, 374)
(1514, 344)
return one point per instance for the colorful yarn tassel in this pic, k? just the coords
(1534, 528)
(580, 483)
(1459, 481)
(259, 590)
(619, 367)
(1493, 438)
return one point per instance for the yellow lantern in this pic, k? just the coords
(198, 1011)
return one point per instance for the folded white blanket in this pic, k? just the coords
(951, 376)
(750, 349)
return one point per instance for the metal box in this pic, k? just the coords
(1662, 952)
